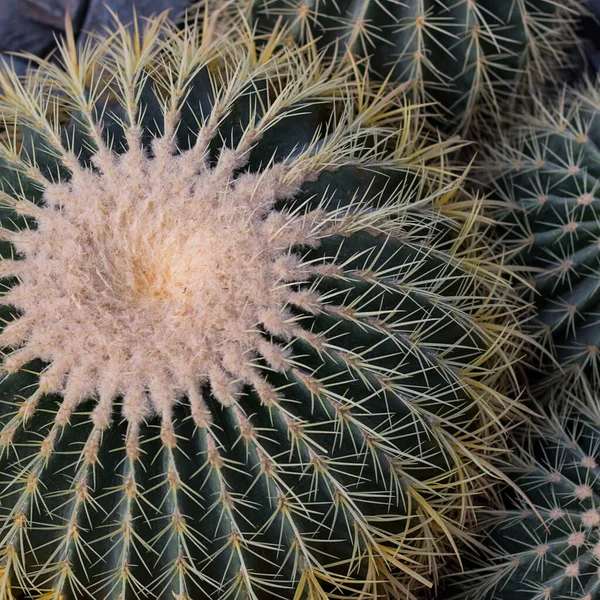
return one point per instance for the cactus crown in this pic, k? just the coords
(254, 347)
(148, 277)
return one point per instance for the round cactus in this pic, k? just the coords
(471, 56)
(546, 544)
(254, 346)
(546, 175)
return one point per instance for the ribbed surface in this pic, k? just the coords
(550, 189)
(471, 56)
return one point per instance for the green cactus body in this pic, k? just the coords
(252, 346)
(547, 178)
(471, 56)
(547, 544)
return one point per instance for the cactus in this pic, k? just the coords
(471, 56)
(545, 176)
(546, 544)
(254, 346)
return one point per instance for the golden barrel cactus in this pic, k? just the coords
(254, 345)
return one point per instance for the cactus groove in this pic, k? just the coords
(254, 346)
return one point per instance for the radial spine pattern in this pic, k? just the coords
(254, 347)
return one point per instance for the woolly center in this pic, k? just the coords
(153, 278)
(207, 267)
(166, 273)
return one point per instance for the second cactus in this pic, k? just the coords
(473, 57)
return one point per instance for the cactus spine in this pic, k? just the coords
(547, 544)
(254, 345)
(546, 175)
(474, 57)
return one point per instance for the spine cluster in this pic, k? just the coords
(546, 540)
(545, 175)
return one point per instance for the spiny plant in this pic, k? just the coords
(546, 545)
(474, 57)
(546, 175)
(254, 344)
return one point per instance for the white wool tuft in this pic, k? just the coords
(151, 279)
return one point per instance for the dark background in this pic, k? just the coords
(32, 25)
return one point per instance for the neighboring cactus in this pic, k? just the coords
(254, 347)
(546, 545)
(547, 176)
(472, 56)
